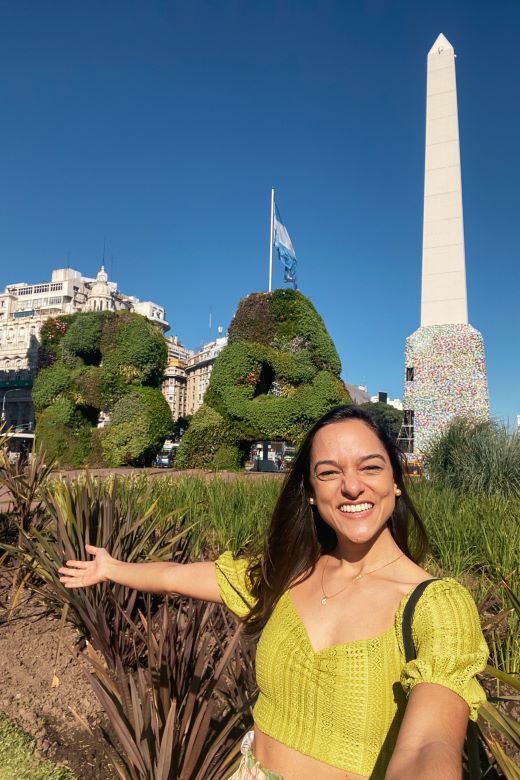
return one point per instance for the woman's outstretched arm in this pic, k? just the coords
(431, 737)
(197, 580)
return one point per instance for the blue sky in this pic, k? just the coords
(161, 127)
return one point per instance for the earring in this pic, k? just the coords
(311, 501)
(397, 491)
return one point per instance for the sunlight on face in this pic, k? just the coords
(352, 481)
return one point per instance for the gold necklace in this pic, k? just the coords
(325, 598)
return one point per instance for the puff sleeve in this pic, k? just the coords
(233, 583)
(449, 643)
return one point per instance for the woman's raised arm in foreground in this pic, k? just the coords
(429, 746)
(197, 580)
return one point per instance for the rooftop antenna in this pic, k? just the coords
(104, 247)
(210, 321)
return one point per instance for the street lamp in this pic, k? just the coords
(12, 390)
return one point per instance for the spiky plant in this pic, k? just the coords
(23, 482)
(498, 728)
(480, 456)
(93, 512)
(180, 714)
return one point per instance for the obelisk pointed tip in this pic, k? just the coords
(440, 45)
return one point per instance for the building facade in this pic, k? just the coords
(187, 375)
(174, 387)
(23, 310)
(198, 372)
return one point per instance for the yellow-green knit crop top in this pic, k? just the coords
(344, 705)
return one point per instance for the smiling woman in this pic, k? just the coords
(337, 696)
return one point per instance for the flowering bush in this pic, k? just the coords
(55, 329)
(251, 378)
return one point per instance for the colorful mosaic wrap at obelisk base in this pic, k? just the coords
(450, 379)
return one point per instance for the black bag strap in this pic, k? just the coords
(471, 745)
(409, 648)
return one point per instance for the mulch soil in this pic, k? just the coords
(28, 647)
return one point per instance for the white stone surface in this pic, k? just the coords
(443, 296)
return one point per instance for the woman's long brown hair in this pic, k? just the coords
(298, 536)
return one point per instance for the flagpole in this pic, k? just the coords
(271, 243)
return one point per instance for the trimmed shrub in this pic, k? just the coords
(83, 336)
(51, 334)
(90, 390)
(254, 322)
(227, 458)
(140, 422)
(208, 432)
(102, 361)
(50, 384)
(133, 350)
(63, 434)
(53, 330)
(277, 375)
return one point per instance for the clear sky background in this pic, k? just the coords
(162, 126)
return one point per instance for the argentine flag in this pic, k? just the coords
(285, 248)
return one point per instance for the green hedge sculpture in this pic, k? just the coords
(101, 361)
(278, 373)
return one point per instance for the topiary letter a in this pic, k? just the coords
(278, 374)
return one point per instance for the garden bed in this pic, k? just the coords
(28, 644)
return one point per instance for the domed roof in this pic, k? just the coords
(100, 288)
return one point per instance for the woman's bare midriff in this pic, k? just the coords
(293, 765)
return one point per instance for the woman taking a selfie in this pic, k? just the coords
(338, 699)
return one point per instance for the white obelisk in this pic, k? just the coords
(445, 363)
(444, 298)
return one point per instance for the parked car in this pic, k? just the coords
(265, 464)
(164, 459)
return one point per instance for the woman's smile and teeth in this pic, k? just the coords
(361, 508)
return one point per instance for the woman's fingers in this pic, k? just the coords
(77, 574)
(70, 582)
(74, 578)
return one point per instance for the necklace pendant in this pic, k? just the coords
(324, 600)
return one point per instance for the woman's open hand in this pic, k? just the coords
(80, 574)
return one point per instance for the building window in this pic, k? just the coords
(409, 373)
(408, 418)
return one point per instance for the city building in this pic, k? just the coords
(186, 377)
(360, 395)
(382, 398)
(445, 368)
(25, 307)
(198, 372)
(174, 387)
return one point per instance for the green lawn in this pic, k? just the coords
(17, 760)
